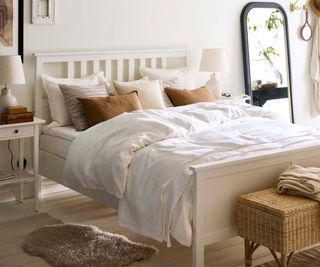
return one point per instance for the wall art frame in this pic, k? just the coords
(43, 12)
(11, 27)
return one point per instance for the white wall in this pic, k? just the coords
(127, 24)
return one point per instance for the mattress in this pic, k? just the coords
(66, 132)
(57, 140)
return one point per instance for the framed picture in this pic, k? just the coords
(11, 27)
(43, 12)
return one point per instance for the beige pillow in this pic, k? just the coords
(149, 92)
(99, 109)
(112, 91)
(181, 97)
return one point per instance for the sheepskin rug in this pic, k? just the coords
(73, 245)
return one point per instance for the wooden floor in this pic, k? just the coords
(70, 206)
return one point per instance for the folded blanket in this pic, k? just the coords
(297, 180)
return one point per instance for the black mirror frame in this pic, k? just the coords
(21, 29)
(245, 47)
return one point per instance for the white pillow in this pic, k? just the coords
(158, 72)
(183, 78)
(149, 92)
(168, 77)
(58, 109)
(194, 79)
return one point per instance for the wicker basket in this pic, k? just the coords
(280, 222)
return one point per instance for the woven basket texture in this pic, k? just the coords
(280, 222)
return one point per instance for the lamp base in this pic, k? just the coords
(215, 86)
(7, 99)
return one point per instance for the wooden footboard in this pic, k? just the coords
(217, 186)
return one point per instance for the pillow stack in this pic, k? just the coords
(71, 94)
(86, 102)
(57, 105)
(182, 78)
(89, 101)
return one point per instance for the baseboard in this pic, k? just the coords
(7, 194)
(10, 193)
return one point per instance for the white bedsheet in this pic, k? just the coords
(143, 158)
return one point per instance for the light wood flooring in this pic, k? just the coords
(70, 206)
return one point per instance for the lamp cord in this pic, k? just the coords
(11, 154)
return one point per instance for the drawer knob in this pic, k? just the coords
(16, 131)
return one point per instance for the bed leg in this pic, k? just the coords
(198, 217)
(198, 255)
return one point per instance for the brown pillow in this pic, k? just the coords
(99, 109)
(181, 97)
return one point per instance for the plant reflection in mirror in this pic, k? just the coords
(267, 50)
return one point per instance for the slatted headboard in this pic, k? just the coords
(118, 65)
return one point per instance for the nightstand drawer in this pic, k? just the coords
(16, 132)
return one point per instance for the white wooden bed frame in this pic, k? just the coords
(216, 185)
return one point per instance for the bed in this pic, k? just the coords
(215, 185)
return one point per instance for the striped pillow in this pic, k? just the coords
(76, 111)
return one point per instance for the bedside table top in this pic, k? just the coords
(235, 97)
(34, 122)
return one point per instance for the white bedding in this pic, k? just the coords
(143, 158)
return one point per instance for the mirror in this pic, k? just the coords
(266, 57)
(306, 30)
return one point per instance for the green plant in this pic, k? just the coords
(268, 52)
(274, 21)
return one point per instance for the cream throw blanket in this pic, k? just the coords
(297, 180)
(315, 69)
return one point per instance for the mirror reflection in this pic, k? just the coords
(306, 30)
(267, 59)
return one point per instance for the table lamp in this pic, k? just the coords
(214, 60)
(11, 73)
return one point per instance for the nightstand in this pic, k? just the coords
(235, 99)
(21, 131)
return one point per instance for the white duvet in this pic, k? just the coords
(143, 158)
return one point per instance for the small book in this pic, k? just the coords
(15, 110)
(16, 118)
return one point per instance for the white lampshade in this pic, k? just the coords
(214, 60)
(11, 70)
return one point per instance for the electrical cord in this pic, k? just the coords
(11, 160)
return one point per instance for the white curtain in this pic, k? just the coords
(315, 69)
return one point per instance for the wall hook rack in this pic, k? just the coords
(297, 5)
